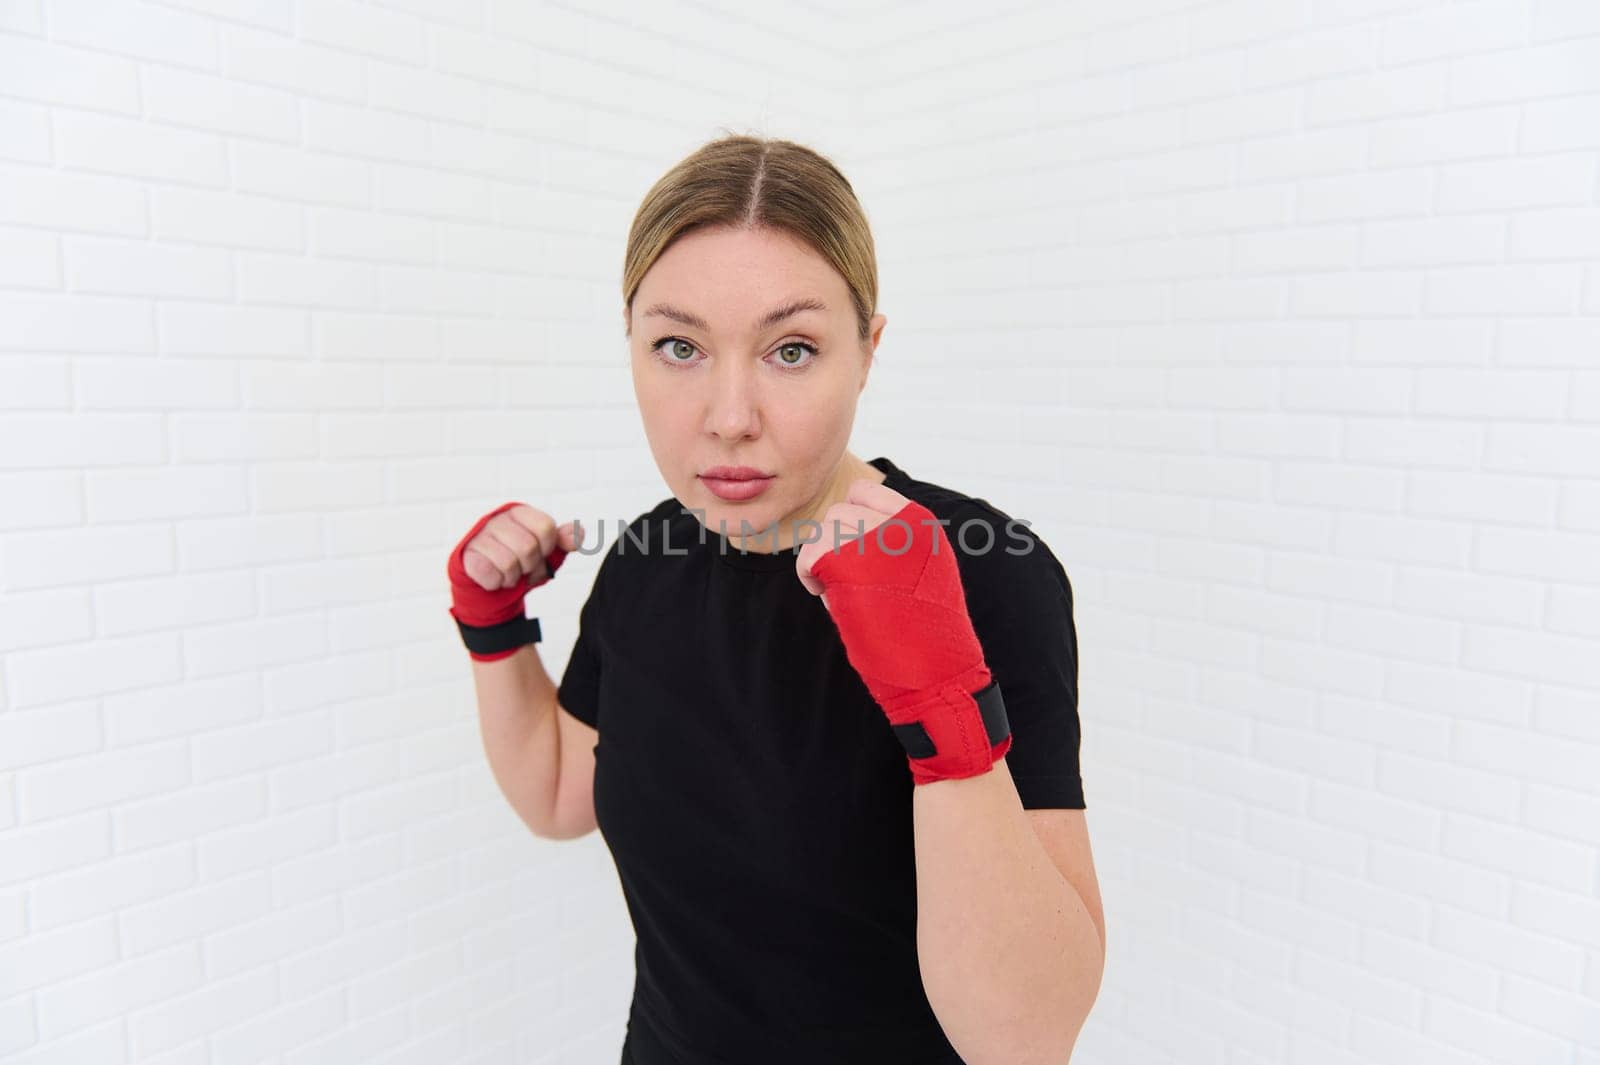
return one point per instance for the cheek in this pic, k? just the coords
(837, 410)
(813, 417)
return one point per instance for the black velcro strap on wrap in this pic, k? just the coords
(918, 744)
(489, 639)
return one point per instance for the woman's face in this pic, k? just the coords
(719, 384)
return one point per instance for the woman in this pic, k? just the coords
(823, 713)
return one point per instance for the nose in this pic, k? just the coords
(733, 408)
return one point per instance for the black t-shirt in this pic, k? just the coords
(758, 805)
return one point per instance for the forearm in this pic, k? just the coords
(1011, 958)
(521, 737)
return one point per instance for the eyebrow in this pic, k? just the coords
(772, 317)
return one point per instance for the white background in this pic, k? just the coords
(1280, 319)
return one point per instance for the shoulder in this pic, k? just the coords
(1000, 556)
(627, 545)
(1011, 577)
(648, 525)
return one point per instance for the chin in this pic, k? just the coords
(730, 517)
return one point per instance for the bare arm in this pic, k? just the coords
(490, 571)
(541, 756)
(516, 716)
(1012, 947)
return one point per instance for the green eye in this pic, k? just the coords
(800, 350)
(790, 356)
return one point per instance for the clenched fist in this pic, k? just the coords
(509, 552)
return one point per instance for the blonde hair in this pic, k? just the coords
(752, 182)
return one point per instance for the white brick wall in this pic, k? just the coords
(1319, 280)
(1279, 318)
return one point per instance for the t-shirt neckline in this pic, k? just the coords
(724, 549)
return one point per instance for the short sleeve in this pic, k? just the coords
(579, 691)
(1020, 602)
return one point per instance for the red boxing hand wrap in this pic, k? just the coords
(472, 604)
(905, 628)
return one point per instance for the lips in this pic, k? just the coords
(734, 473)
(736, 483)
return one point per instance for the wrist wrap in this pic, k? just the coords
(492, 623)
(902, 615)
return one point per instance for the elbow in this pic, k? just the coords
(1045, 1034)
(564, 825)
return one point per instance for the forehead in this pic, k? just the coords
(739, 279)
